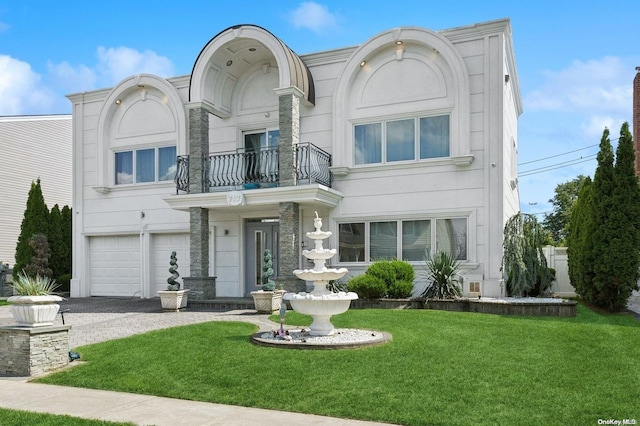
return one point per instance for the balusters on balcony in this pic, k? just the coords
(182, 174)
(313, 164)
(249, 169)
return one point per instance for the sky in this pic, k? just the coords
(575, 60)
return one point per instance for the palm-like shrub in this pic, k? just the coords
(443, 280)
(25, 285)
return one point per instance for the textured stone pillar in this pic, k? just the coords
(198, 148)
(26, 351)
(289, 247)
(289, 124)
(201, 286)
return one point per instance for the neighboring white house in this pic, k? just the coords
(32, 147)
(405, 143)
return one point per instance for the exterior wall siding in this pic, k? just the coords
(32, 147)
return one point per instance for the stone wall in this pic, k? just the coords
(33, 351)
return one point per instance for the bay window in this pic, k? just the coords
(409, 240)
(147, 165)
(402, 140)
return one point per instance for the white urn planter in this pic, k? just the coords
(267, 302)
(173, 300)
(35, 311)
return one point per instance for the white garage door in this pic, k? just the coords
(115, 265)
(162, 246)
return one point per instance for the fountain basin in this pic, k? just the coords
(323, 254)
(321, 308)
(322, 275)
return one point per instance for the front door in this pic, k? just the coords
(259, 236)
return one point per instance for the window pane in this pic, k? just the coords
(253, 142)
(416, 239)
(124, 167)
(273, 139)
(167, 163)
(451, 237)
(400, 140)
(383, 240)
(434, 137)
(145, 165)
(351, 242)
(368, 143)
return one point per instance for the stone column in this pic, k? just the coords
(289, 248)
(198, 148)
(289, 124)
(201, 286)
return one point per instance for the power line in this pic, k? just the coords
(557, 165)
(557, 155)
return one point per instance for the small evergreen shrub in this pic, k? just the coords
(382, 269)
(367, 286)
(397, 275)
(400, 290)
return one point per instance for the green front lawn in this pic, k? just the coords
(441, 368)
(22, 418)
(3, 302)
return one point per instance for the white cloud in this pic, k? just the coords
(70, 79)
(21, 89)
(315, 17)
(595, 86)
(115, 64)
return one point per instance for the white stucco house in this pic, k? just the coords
(405, 143)
(32, 147)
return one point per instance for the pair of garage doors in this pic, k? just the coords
(116, 263)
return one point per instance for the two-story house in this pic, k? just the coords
(404, 144)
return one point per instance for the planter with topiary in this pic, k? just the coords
(34, 304)
(267, 300)
(173, 298)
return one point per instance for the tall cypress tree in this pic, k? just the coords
(624, 228)
(602, 208)
(56, 242)
(35, 221)
(67, 237)
(579, 243)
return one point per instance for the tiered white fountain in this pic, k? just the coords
(322, 303)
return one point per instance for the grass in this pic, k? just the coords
(21, 418)
(3, 302)
(441, 368)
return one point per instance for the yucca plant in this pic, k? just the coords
(443, 280)
(25, 285)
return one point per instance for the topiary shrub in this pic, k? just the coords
(367, 286)
(400, 290)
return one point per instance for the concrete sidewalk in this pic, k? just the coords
(94, 320)
(146, 410)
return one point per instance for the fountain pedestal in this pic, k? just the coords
(321, 304)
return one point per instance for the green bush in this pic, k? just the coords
(397, 275)
(400, 290)
(367, 286)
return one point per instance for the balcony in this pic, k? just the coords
(244, 169)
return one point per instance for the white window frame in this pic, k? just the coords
(383, 143)
(433, 238)
(156, 165)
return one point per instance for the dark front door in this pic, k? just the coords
(259, 236)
